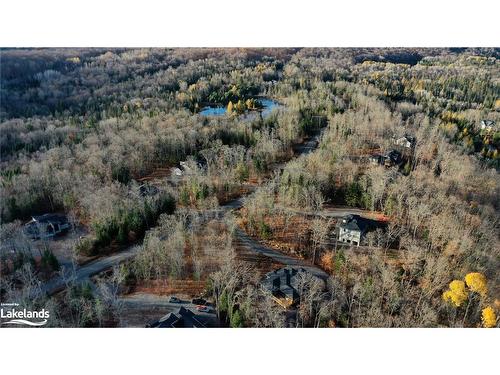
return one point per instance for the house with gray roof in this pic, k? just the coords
(405, 141)
(392, 158)
(389, 159)
(487, 125)
(284, 285)
(352, 229)
(46, 226)
(180, 318)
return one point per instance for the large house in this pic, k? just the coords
(392, 158)
(405, 141)
(487, 125)
(180, 318)
(389, 159)
(284, 285)
(352, 229)
(46, 226)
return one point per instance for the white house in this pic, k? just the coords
(487, 125)
(351, 229)
(406, 141)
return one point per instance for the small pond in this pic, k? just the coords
(213, 111)
(267, 107)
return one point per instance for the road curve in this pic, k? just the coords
(88, 270)
(338, 212)
(243, 239)
(97, 266)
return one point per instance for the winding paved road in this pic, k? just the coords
(244, 240)
(88, 270)
(338, 212)
(97, 266)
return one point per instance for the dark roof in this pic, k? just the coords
(180, 318)
(354, 222)
(488, 122)
(406, 137)
(51, 218)
(171, 320)
(283, 283)
(394, 155)
(377, 158)
(410, 138)
(148, 190)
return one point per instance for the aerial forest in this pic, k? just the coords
(205, 169)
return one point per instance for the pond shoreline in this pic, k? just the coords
(268, 104)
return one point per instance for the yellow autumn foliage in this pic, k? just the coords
(488, 317)
(74, 60)
(497, 104)
(240, 106)
(456, 294)
(250, 104)
(477, 283)
(449, 128)
(448, 116)
(260, 68)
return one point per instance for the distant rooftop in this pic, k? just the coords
(148, 190)
(51, 218)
